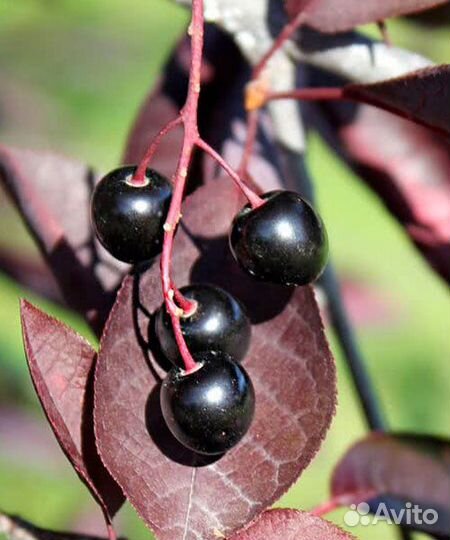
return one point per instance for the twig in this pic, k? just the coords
(252, 197)
(351, 350)
(188, 116)
(309, 94)
(252, 131)
(346, 499)
(288, 31)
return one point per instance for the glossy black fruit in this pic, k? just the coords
(128, 219)
(211, 409)
(282, 241)
(219, 324)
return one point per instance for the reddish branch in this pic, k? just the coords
(258, 73)
(288, 31)
(188, 116)
(340, 501)
(309, 94)
(176, 305)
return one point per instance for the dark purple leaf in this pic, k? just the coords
(331, 16)
(184, 496)
(400, 469)
(286, 524)
(407, 165)
(17, 528)
(439, 16)
(31, 272)
(52, 194)
(409, 168)
(62, 367)
(421, 96)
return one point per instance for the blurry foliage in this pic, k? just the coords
(72, 76)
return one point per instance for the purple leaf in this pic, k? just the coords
(421, 96)
(331, 16)
(61, 365)
(399, 469)
(407, 165)
(52, 194)
(437, 17)
(286, 524)
(180, 495)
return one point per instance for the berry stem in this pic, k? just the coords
(139, 176)
(309, 94)
(343, 500)
(254, 199)
(252, 131)
(188, 116)
(288, 31)
(253, 116)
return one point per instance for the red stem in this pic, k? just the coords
(139, 176)
(252, 131)
(252, 118)
(289, 29)
(251, 196)
(309, 94)
(109, 527)
(346, 499)
(176, 305)
(189, 118)
(326, 507)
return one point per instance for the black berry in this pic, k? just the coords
(282, 241)
(129, 219)
(219, 323)
(211, 409)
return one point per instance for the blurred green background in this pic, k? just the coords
(72, 76)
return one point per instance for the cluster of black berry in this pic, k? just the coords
(283, 240)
